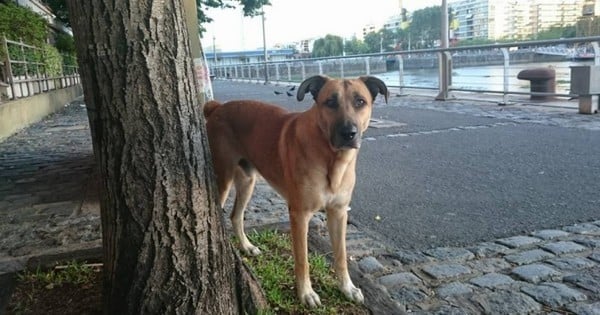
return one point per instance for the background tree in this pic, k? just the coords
(330, 45)
(381, 41)
(588, 26)
(425, 27)
(165, 250)
(355, 46)
(556, 32)
(59, 8)
(249, 7)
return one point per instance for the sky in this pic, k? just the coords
(290, 21)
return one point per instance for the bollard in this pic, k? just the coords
(585, 82)
(542, 80)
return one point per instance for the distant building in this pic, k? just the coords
(248, 56)
(369, 28)
(515, 19)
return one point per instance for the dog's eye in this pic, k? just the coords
(359, 102)
(331, 103)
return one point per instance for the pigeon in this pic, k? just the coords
(277, 92)
(289, 93)
(293, 87)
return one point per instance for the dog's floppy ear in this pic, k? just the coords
(375, 86)
(312, 85)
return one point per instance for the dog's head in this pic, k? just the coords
(344, 106)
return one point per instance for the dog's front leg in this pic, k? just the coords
(299, 224)
(336, 224)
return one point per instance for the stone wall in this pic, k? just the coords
(20, 113)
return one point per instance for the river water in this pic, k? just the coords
(485, 78)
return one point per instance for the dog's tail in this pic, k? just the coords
(209, 107)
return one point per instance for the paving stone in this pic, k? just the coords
(444, 310)
(560, 248)
(571, 263)
(518, 241)
(507, 302)
(586, 279)
(535, 272)
(399, 279)
(407, 295)
(585, 309)
(412, 257)
(489, 265)
(454, 288)
(370, 264)
(588, 241)
(450, 254)
(12, 265)
(446, 271)
(549, 234)
(492, 280)
(584, 228)
(553, 294)
(488, 249)
(528, 257)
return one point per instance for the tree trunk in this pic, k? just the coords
(165, 250)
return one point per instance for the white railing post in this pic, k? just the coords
(400, 74)
(506, 56)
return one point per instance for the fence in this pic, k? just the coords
(25, 71)
(482, 69)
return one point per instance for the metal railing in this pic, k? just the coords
(24, 72)
(482, 68)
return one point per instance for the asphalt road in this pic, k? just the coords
(449, 178)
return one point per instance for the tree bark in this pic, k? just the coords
(165, 250)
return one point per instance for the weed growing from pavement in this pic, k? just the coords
(71, 273)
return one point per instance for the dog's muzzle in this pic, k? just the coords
(346, 135)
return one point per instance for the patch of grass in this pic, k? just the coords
(71, 273)
(275, 270)
(74, 287)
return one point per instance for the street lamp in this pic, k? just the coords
(214, 51)
(262, 14)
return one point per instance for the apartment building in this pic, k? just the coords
(516, 19)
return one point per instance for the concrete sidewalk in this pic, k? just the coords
(48, 206)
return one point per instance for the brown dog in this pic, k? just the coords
(309, 158)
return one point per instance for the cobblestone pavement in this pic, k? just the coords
(47, 202)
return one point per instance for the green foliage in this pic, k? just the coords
(556, 32)
(330, 45)
(382, 40)
(250, 8)
(53, 61)
(65, 43)
(275, 270)
(355, 47)
(588, 26)
(59, 8)
(18, 22)
(479, 41)
(73, 273)
(425, 27)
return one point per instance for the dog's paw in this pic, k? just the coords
(354, 294)
(310, 298)
(252, 250)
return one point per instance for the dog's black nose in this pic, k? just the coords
(349, 132)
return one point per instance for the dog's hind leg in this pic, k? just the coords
(244, 179)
